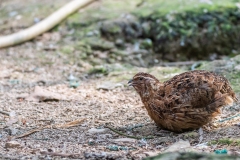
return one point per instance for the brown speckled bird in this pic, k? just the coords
(185, 102)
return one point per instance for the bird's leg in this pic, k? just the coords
(200, 131)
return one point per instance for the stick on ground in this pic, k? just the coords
(45, 25)
(6, 113)
(66, 125)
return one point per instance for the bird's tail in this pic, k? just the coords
(224, 100)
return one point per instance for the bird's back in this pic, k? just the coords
(198, 84)
(192, 99)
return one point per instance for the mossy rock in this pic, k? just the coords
(192, 156)
(127, 27)
(187, 35)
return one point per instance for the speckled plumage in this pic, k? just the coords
(185, 102)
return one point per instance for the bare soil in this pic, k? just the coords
(32, 64)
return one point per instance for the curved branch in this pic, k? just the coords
(45, 25)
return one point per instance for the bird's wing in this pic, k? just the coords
(199, 89)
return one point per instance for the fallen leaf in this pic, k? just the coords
(109, 85)
(12, 144)
(70, 124)
(40, 94)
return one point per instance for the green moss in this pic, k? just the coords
(192, 31)
(100, 44)
(225, 141)
(98, 70)
(234, 79)
(164, 7)
(67, 49)
(212, 142)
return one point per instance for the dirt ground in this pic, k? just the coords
(22, 70)
(42, 117)
(91, 110)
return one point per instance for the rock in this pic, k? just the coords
(191, 155)
(127, 27)
(125, 140)
(178, 146)
(202, 146)
(12, 144)
(71, 77)
(95, 130)
(102, 45)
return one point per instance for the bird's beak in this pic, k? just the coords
(130, 82)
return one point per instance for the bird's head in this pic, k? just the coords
(143, 83)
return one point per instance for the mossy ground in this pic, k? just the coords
(225, 141)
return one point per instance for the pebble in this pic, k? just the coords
(125, 140)
(95, 130)
(178, 146)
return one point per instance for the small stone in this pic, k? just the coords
(72, 78)
(178, 146)
(202, 146)
(12, 144)
(95, 130)
(125, 140)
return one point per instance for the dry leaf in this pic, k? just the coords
(125, 140)
(40, 94)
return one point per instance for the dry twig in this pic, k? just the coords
(44, 25)
(66, 125)
(6, 113)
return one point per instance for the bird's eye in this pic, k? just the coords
(140, 78)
